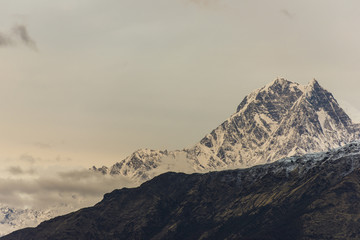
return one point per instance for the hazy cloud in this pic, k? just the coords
(16, 170)
(78, 175)
(42, 145)
(5, 40)
(286, 13)
(22, 33)
(38, 161)
(63, 159)
(19, 34)
(71, 190)
(27, 158)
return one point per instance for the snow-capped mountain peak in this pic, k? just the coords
(281, 119)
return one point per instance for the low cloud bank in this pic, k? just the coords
(65, 191)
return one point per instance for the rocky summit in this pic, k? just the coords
(279, 120)
(315, 196)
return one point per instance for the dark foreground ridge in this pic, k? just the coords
(315, 196)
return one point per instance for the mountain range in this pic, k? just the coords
(315, 196)
(279, 120)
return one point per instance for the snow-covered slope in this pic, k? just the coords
(146, 163)
(279, 120)
(12, 219)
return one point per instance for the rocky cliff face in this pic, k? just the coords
(279, 120)
(316, 196)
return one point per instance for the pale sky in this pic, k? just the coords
(87, 82)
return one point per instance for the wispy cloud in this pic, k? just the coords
(5, 40)
(42, 145)
(286, 13)
(27, 158)
(22, 33)
(19, 34)
(17, 170)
